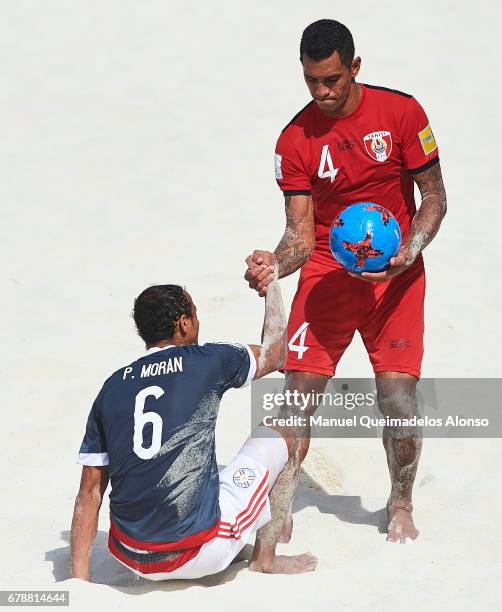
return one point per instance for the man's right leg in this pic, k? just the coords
(324, 315)
(281, 496)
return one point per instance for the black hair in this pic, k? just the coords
(322, 38)
(157, 309)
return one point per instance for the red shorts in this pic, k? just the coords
(329, 306)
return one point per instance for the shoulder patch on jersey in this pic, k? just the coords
(427, 140)
(278, 167)
(394, 91)
(297, 115)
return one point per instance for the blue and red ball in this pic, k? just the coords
(364, 237)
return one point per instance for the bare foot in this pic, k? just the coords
(401, 526)
(281, 564)
(287, 530)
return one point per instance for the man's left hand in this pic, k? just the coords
(397, 264)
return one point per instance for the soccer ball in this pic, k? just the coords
(364, 237)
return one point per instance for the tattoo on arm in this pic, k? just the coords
(428, 218)
(297, 243)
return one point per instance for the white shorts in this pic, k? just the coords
(244, 488)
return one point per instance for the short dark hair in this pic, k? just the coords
(157, 309)
(322, 38)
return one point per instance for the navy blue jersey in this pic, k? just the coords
(153, 423)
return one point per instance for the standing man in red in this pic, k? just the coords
(352, 143)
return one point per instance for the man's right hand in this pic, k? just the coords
(260, 271)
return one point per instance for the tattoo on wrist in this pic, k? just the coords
(291, 256)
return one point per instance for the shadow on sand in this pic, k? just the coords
(347, 508)
(106, 570)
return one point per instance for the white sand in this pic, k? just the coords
(137, 147)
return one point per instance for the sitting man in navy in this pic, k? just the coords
(151, 431)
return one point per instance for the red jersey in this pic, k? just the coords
(367, 156)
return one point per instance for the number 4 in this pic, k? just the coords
(299, 348)
(326, 159)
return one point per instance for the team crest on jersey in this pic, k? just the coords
(244, 477)
(378, 145)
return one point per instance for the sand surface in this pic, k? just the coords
(136, 148)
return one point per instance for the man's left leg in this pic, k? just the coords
(396, 392)
(393, 335)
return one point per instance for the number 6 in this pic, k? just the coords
(141, 419)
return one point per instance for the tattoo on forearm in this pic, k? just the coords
(297, 243)
(291, 253)
(427, 220)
